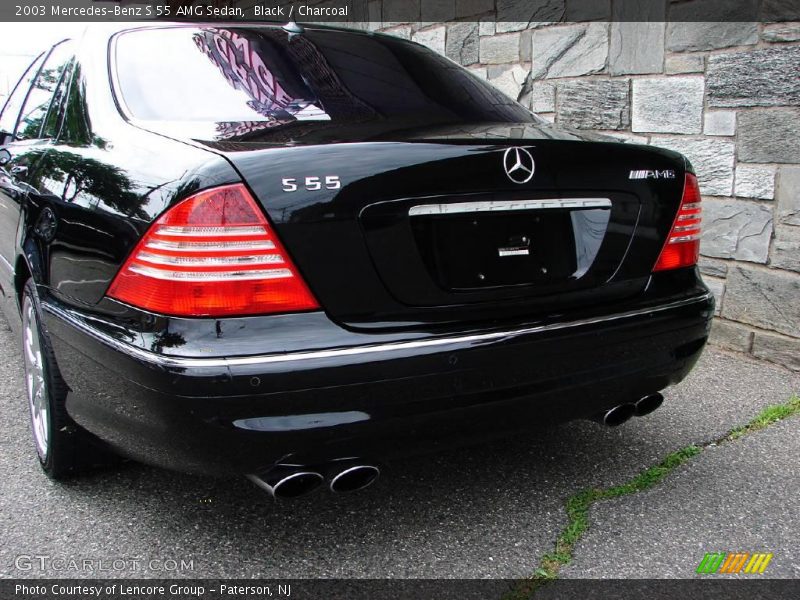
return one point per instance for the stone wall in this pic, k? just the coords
(727, 95)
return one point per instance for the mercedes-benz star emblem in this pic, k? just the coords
(519, 164)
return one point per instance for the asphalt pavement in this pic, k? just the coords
(734, 498)
(489, 511)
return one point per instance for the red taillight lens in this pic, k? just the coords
(682, 247)
(213, 254)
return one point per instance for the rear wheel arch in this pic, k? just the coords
(29, 265)
(64, 448)
(22, 273)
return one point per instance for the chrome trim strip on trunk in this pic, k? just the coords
(500, 205)
(173, 361)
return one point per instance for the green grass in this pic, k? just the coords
(768, 416)
(578, 506)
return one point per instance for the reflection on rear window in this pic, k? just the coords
(262, 75)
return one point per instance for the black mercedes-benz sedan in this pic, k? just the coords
(292, 252)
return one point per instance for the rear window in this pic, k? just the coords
(263, 75)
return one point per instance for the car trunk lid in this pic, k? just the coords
(433, 230)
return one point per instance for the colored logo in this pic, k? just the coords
(645, 174)
(734, 562)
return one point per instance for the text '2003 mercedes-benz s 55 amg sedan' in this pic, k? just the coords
(293, 252)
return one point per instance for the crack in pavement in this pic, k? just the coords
(578, 505)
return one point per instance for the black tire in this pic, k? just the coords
(64, 449)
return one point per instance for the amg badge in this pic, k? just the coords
(644, 174)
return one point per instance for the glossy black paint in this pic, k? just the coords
(243, 418)
(75, 204)
(327, 231)
(104, 180)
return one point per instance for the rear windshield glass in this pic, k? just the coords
(263, 75)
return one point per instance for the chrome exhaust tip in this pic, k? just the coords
(354, 478)
(291, 485)
(616, 416)
(646, 405)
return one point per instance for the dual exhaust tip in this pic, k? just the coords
(293, 482)
(619, 414)
(288, 482)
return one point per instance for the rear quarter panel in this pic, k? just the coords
(104, 181)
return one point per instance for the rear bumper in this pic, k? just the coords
(244, 414)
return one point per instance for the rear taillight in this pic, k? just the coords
(213, 254)
(682, 247)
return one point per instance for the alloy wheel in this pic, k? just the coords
(35, 380)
